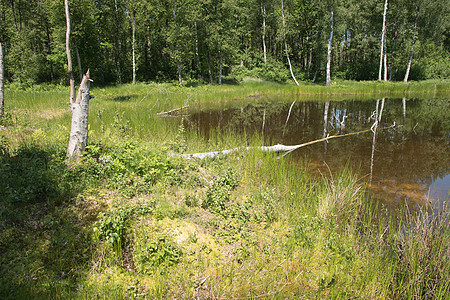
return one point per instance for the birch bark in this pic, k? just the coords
(80, 115)
(408, 68)
(263, 12)
(383, 38)
(329, 51)
(285, 44)
(69, 57)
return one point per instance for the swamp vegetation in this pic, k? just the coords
(133, 219)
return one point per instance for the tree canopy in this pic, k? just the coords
(205, 39)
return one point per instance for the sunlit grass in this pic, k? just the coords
(282, 232)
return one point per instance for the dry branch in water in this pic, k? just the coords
(171, 111)
(274, 148)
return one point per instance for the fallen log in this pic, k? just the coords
(171, 111)
(275, 148)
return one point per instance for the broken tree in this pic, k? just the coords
(80, 113)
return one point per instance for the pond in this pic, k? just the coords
(408, 163)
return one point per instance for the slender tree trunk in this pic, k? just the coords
(132, 21)
(385, 66)
(2, 87)
(209, 70)
(220, 68)
(80, 116)
(49, 52)
(178, 48)
(263, 12)
(408, 68)
(118, 47)
(329, 51)
(197, 60)
(285, 44)
(69, 57)
(80, 70)
(383, 39)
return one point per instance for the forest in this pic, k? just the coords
(123, 41)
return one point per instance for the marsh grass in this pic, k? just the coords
(134, 220)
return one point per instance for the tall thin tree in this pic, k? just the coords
(329, 49)
(383, 40)
(2, 87)
(408, 68)
(69, 57)
(285, 44)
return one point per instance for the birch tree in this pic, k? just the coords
(263, 13)
(69, 57)
(329, 49)
(408, 68)
(78, 106)
(2, 93)
(132, 21)
(285, 44)
(383, 42)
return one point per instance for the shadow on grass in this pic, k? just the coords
(44, 244)
(122, 98)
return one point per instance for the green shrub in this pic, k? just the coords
(219, 193)
(157, 254)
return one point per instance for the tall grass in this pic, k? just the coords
(250, 225)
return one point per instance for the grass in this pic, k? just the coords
(134, 220)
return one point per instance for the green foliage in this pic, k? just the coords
(219, 193)
(157, 254)
(271, 71)
(112, 225)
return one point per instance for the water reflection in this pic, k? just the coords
(402, 163)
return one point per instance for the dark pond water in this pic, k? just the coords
(408, 163)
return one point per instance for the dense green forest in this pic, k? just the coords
(160, 40)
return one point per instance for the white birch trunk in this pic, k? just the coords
(383, 39)
(329, 51)
(220, 70)
(132, 21)
(385, 66)
(285, 44)
(118, 47)
(263, 12)
(69, 57)
(2, 86)
(80, 115)
(178, 48)
(408, 68)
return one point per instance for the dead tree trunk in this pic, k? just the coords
(80, 115)
(285, 44)
(2, 87)
(69, 57)
(383, 38)
(329, 52)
